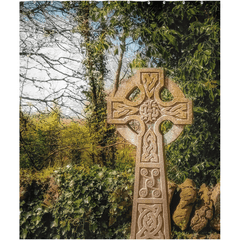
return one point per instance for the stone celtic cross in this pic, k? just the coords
(151, 213)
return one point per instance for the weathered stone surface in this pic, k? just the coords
(151, 213)
(215, 222)
(171, 188)
(183, 211)
(204, 209)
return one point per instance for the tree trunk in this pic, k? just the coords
(117, 77)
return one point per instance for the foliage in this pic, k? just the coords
(198, 72)
(206, 233)
(125, 158)
(95, 45)
(92, 204)
(46, 140)
(38, 139)
(189, 49)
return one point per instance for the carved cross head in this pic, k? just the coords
(148, 108)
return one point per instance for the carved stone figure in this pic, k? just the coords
(204, 209)
(183, 211)
(215, 197)
(150, 215)
(171, 189)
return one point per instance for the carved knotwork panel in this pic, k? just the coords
(149, 183)
(122, 110)
(149, 81)
(150, 221)
(149, 152)
(179, 110)
(149, 111)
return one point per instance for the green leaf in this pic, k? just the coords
(153, 25)
(195, 169)
(154, 36)
(78, 202)
(212, 164)
(207, 52)
(94, 17)
(199, 109)
(57, 237)
(191, 11)
(24, 233)
(205, 58)
(68, 226)
(94, 227)
(148, 30)
(116, 51)
(28, 215)
(211, 95)
(38, 219)
(171, 39)
(64, 231)
(54, 223)
(199, 46)
(105, 46)
(84, 189)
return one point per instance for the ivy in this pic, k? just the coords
(92, 204)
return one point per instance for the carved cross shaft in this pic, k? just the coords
(150, 214)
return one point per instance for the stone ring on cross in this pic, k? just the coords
(151, 214)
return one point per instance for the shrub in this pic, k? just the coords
(46, 141)
(92, 203)
(39, 136)
(125, 158)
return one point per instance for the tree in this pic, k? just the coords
(185, 40)
(50, 59)
(39, 139)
